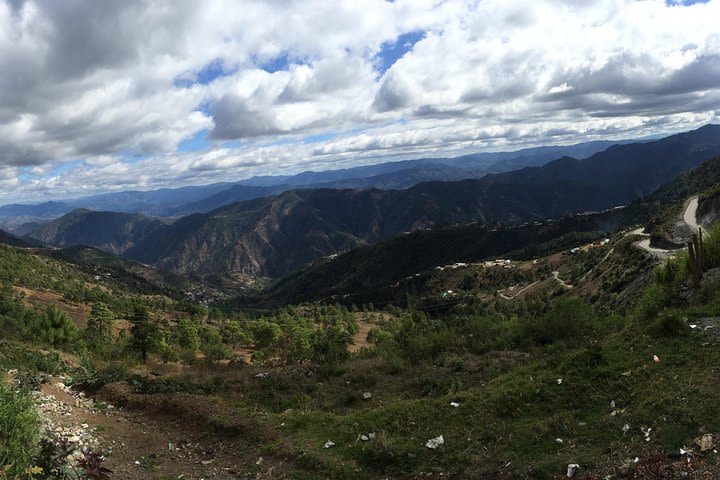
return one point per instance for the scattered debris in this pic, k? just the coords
(262, 375)
(454, 404)
(612, 404)
(559, 440)
(572, 469)
(367, 396)
(434, 443)
(559, 380)
(625, 428)
(646, 432)
(329, 444)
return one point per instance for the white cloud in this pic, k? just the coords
(94, 84)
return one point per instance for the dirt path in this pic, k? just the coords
(136, 445)
(502, 295)
(560, 280)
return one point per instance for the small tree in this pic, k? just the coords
(233, 334)
(98, 333)
(265, 332)
(187, 334)
(56, 327)
(330, 345)
(145, 335)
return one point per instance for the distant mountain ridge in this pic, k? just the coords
(274, 235)
(114, 232)
(175, 202)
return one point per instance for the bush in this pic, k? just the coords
(652, 302)
(670, 325)
(568, 320)
(19, 432)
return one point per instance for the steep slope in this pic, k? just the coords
(368, 272)
(111, 231)
(275, 235)
(10, 239)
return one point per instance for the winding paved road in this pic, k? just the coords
(690, 218)
(690, 215)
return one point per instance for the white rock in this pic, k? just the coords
(329, 444)
(367, 396)
(454, 404)
(434, 443)
(572, 469)
(705, 442)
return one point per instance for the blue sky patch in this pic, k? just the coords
(281, 62)
(195, 143)
(392, 52)
(206, 75)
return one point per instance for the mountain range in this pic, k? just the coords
(177, 202)
(272, 236)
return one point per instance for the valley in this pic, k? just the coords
(338, 369)
(379, 240)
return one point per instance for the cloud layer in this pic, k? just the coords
(99, 96)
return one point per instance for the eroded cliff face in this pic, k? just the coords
(708, 211)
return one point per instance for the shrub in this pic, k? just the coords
(19, 432)
(670, 325)
(568, 319)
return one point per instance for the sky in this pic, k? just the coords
(121, 94)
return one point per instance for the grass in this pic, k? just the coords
(515, 419)
(19, 432)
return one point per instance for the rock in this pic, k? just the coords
(454, 404)
(329, 444)
(367, 396)
(436, 442)
(705, 442)
(572, 469)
